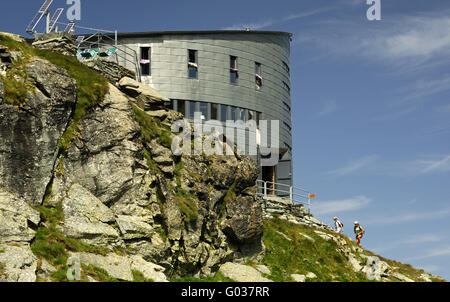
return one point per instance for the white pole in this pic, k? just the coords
(47, 26)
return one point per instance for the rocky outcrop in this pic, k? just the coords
(110, 70)
(29, 134)
(146, 97)
(58, 42)
(17, 263)
(242, 273)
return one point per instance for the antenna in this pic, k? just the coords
(54, 19)
(79, 40)
(41, 12)
(69, 27)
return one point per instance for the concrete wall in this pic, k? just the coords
(169, 74)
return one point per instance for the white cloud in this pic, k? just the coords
(353, 166)
(270, 21)
(409, 217)
(431, 165)
(327, 109)
(339, 206)
(437, 252)
(414, 240)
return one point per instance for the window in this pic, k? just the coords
(191, 110)
(286, 86)
(192, 63)
(258, 118)
(234, 71)
(251, 115)
(233, 113)
(288, 147)
(241, 115)
(204, 110)
(258, 77)
(286, 67)
(145, 61)
(223, 113)
(181, 107)
(214, 111)
(286, 107)
(287, 127)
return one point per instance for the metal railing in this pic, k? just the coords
(294, 195)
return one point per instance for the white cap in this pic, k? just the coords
(356, 222)
(335, 217)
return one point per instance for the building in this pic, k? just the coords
(226, 75)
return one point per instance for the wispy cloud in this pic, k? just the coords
(353, 166)
(272, 21)
(339, 206)
(408, 217)
(414, 240)
(430, 165)
(436, 252)
(328, 108)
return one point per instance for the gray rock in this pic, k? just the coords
(58, 42)
(298, 278)
(15, 214)
(263, 269)
(17, 263)
(148, 269)
(311, 276)
(86, 218)
(133, 227)
(2, 92)
(241, 273)
(402, 277)
(375, 269)
(146, 97)
(118, 267)
(29, 134)
(112, 71)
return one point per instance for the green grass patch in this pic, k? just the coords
(139, 277)
(152, 128)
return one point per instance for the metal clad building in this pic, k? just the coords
(223, 74)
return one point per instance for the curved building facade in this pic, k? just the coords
(225, 75)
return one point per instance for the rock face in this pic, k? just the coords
(17, 263)
(113, 72)
(29, 134)
(242, 273)
(58, 42)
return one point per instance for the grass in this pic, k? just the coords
(187, 203)
(91, 86)
(52, 245)
(300, 256)
(152, 128)
(139, 277)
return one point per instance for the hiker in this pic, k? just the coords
(338, 226)
(359, 231)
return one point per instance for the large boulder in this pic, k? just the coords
(147, 97)
(17, 263)
(58, 42)
(112, 71)
(242, 273)
(15, 217)
(29, 134)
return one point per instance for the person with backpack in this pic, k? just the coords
(338, 226)
(359, 231)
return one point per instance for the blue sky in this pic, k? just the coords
(371, 107)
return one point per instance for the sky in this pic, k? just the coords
(371, 107)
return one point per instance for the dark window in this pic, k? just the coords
(145, 61)
(191, 110)
(214, 111)
(286, 67)
(233, 113)
(286, 86)
(258, 118)
(286, 107)
(258, 77)
(181, 107)
(204, 110)
(223, 113)
(193, 64)
(234, 71)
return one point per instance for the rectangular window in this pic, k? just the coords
(145, 61)
(223, 113)
(287, 127)
(241, 115)
(204, 110)
(193, 63)
(234, 71)
(233, 113)
(214, 112)
(251, 115)
(258, 77)
(181, 107)
(286, 107)
(191, 110)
